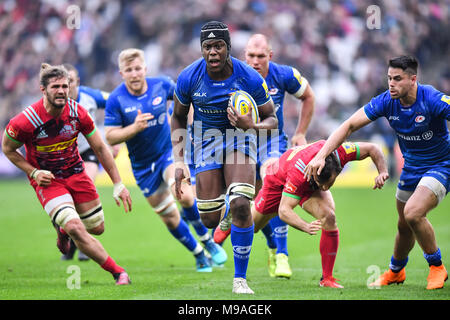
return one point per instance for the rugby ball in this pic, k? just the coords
(244, 103)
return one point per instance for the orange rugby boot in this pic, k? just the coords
(389, 277)
(436, 277)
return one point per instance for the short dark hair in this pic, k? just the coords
(48, 72)
(332, 165)
(408, 64)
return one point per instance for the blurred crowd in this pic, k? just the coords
(328, 41)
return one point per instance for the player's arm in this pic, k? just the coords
(268, 117)
(308, 103)
(287, 214)
(358, 120)
(115, 134)
(11, 150)
(367, 149)
(104, 155)
(179, 137)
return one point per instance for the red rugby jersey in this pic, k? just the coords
(51, 143)
(289, 170)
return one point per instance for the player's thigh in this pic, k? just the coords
(260, 220)
(320, 205)
(420, 203)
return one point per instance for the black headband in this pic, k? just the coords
(215, 30)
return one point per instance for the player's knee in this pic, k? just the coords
(329, 219)
(98, 230)
(75, 229)
(240, 208)
(211, 210)
(93, 220)
(412, 214)
(64, 214)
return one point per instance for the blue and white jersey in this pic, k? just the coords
(122, 108)
(91, 100)
(281, 79)
(210, 98)
(421, 128)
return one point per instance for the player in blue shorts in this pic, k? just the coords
(418, 114)
(224, 157)
(280, 79)
(136, 113)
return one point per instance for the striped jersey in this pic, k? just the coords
(51, 143)
(289, 171)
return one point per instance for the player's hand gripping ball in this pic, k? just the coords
(244, 103)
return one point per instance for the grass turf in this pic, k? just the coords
(162, 269)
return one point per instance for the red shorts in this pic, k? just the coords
(268, 199)
(79, 187)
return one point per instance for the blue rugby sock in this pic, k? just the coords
(193, 217)
(241, 240)
(268, 233)
(184, 235)
(434, 259)
(280, 230)
(397, 265)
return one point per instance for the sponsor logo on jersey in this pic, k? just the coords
(394, 118)
(419, 119)
(12, 132)
(349, 147)
(200, 94)
(42, 134)
(57, 146)
(130, 109)
(290, 187)
(427, 135)
(273, 91)
(157, 101)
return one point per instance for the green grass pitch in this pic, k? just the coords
(162, 269)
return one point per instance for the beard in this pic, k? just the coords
(55, 104)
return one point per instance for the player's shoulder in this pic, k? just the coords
(121, 89)
(277, 69)
(429, 92)
(159, 79)
(242, 69)
(195, 68)
(29, 118)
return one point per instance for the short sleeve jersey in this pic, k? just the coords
(421, 128)
(210, 98)
(51, 143)
(282, 79)
(122, 108)
(92, 100)
(291, 166)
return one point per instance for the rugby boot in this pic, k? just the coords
(272, 262)
(330, 282)
(202, 262)
(122, 278)
(240, 286)
(218, 254)
(282, 270)
(63, 240)
(389, 277)
(436, 277)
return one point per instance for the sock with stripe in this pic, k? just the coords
(241, 241)
(280, 231)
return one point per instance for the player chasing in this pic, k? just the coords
(280, 79)
(49, 129)
(223, 182)
(285, 187)
(92, 100)
(418, 114)
(136, 113)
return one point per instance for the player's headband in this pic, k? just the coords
(215, 30)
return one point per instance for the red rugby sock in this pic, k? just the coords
(329, 243)
(111, 266)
